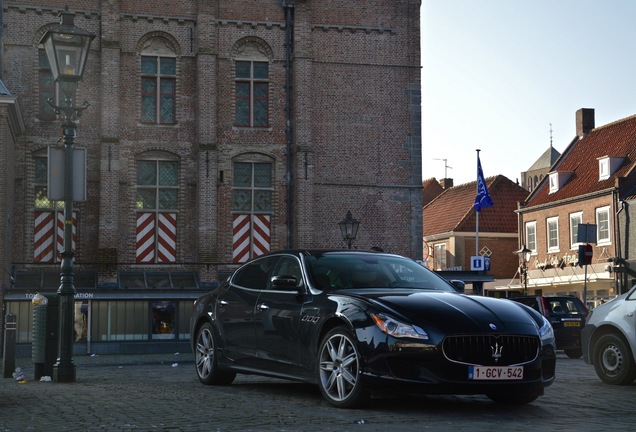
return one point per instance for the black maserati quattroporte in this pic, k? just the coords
(366, 324)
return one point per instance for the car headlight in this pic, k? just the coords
(398, 329)
(546, 332)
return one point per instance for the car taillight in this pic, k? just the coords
(545, 307)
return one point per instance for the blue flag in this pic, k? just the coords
(483, 199)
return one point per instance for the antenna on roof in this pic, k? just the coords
(446, 167)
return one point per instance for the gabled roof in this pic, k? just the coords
(580, 161)
(430, 190)
(453, 211)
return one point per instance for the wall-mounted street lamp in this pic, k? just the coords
(67, 48)
(524, 258)
(349, 228)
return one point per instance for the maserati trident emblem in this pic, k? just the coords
(496, 351)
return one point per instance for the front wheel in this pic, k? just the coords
(339, 370)
(205, 358)
(613, 360)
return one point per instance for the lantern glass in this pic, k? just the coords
(67, 47)
(349, 227)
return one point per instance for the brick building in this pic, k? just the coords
(218, 130)
(450, 231)
(592, 184)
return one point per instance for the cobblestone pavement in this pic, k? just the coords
(161, 393)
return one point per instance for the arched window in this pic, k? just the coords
(48, 216)
(251, 64)
(156, 202)
(252, 196)
(46, 86)
(158, 82)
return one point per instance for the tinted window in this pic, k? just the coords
(255, 274)
(333, 271)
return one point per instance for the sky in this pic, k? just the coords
(507, 77)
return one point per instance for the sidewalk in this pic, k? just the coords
(27, 366)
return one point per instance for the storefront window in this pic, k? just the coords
(163, 319)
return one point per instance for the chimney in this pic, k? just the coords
(446, 183)
(584, 121)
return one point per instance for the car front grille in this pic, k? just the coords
(491, 350)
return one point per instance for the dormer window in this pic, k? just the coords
(554, 182)
(558, 179)
(607, 166)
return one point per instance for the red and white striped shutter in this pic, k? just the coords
(145, 247)
(167, 238)
(260, 234)
(241, 238)
(59, 234)
(251, 236)
(43, 237)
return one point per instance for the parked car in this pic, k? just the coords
(566, 314)
(609, 339)
(364, 324)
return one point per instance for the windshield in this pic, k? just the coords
(335, 271)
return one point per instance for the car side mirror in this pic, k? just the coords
(286, 283)
(459, 286)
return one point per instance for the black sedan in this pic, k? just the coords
(367, 324)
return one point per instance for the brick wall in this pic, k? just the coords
(355, 121)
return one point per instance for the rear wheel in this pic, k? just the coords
(205, 358)
(613, 360)
(339, 370)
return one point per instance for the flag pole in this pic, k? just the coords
(477, 212)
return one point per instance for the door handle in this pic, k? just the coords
(223, 303)
(263, 307)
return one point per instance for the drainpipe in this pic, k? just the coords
(1, 39)
(288, 5)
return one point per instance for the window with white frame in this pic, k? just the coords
(531, 236)
(554, 182)
(603, 168)
(602, 226)
(575, 220)
(439, 256)
(552, 225)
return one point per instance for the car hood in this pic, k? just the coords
(457, 313)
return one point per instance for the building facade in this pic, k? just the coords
(591, 186)
(453, 233)
(217, 131)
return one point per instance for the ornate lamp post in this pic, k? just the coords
(524, 257)
(67, 48)
(349, 228)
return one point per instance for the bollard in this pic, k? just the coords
(8, 362)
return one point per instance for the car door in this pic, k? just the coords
(235, 310)
(277, 319)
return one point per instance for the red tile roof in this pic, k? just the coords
(617, 139)
(453, 209)
(430, 190)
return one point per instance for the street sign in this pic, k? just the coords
(585, 255)
(586, 233)
(55, 175)
(476, 263)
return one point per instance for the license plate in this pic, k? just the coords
(495, 372)
(572, 324)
